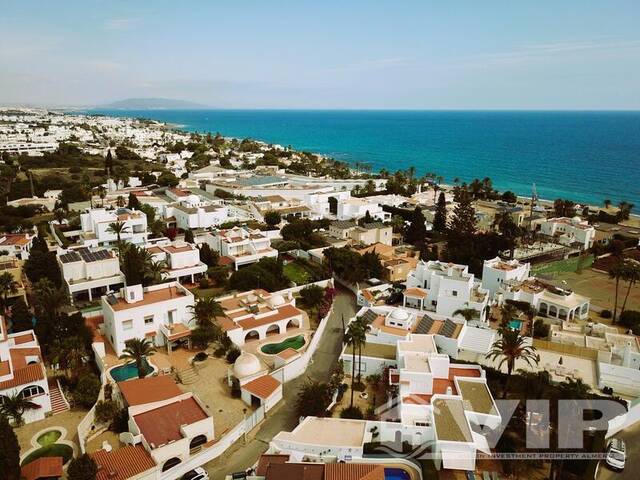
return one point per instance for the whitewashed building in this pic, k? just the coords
(90, 273)
(569, 231)
(96, 231)
(242, 245)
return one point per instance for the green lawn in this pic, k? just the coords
(292, 342)
(53, 450)
(551, 269)
(297, 273)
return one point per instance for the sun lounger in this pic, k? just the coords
(486, 476)
(470, 475)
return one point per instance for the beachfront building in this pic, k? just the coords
(443, 288)
(161, 313)
(569, 231)
(16, 245)
(242, 246)
(354, 208)
(89, 273)
(182, 260)
(96, 231)
(256, 314)
(496, 272)
(22, 372)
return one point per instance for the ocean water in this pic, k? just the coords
(584, 156)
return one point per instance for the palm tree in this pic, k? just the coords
(137, 350)
(509, 348)
(616, 272)
(361, 336)
(69, 353)
(353, 338)
(49, 299)
(154, 270)
(467, 313)
(14, 406)
(205, 310)
(102, 192)
(607, 203)
(59, 215)
(118, 228)
(631, 275)
(7, 285)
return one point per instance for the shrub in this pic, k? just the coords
(87, 390)
(219, 352)
(200, 357)
(204, 283)
(121, 421)
(352, 412)
(606, 314)
(107, 411)
(630, 318)
(232, 354)
(82, 468)
(312, 295)
(540, 329)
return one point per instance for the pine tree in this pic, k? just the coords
(10, 448)
(133, 203)
(463, 222)
(108, 163)
(82, 468)
(208, 256)
(440, 216)
(416, 231)
(21, 317)
(188, 236)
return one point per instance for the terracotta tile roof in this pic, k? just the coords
(19, 356)
(262, 387)
(353, 471)
(417, 399)
(178, 330)
(224, 260)
(155, 296)
(148, 390)
(43, 467)
(29, 374)
(463, 372)
(286, 311)
(295, 471)
(415, 292)
(123, 463)
(162, 425)
(154, 250)
(288, 353)
(14, 239)
(5, 368)
(26, 338)
(174, 249)
(266, 460)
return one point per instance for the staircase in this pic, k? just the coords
(188, 376)
(58, 402)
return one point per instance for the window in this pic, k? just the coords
(148, 320)
(172, 316)
(454, 293)
(127, 325)
(32, 391)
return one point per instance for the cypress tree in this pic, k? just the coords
(416, 231)
(440, 216)
(108, 163)
(21, 317)
(10, 448)
(463, 223)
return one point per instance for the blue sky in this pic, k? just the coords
(547, 54)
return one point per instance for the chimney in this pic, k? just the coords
(449, 391)
(133, 293)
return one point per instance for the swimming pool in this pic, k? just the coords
(515, 324)
(296, 343)
(127, 371)
(396, 474)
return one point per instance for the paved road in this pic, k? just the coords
(240, 457)
(631, 437)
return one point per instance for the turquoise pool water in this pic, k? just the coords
(515, 324)
(396, 474)
(125, 372)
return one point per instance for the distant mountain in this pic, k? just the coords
(151, 104)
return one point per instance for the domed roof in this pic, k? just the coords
(246, 364)
(276, 300)
(576, 219)
(399, 314)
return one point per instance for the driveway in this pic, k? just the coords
(631, 437)
(240, 457)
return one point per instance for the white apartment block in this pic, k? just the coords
(242, 245)
(90, 273)
(367, 234)
(353, 208)
(569, 231)
(496, 272)
(22, 371)
(443, 288)
(191, 211)
(95, 227)
(161, 313)
(182, 260)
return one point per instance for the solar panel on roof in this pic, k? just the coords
(369, 316)
(425, 325)
(448, 328)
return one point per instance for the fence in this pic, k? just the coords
(573, 350)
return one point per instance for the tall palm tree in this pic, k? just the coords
(102, 193)
(137, 350)
(607, 203)
(509, 348)
(360, 334)
(118, 228)
(205, 310)
(59, 215)
(49, 299)
(69, 354)
(154, 269)
(467, 313)
(616, 273)
(631, 276)
(507, 312)
(353, 338)
(7, 285)
(14, 406)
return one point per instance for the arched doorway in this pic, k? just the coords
(293, 323)
(169, 464)
(273, 329)
(196, 443)
(553, 311)
(251, 335)
(543, 309)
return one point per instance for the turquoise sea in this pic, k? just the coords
(584, 156)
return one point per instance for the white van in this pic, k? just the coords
(616, 454)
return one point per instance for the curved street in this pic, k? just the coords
(240, 457)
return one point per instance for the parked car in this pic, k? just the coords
(198, 473)
(616, 454)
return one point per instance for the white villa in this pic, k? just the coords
(95, 230)
(256, 314)
(242, 245)
(497, 272)
(182, 260)
(570, 231)
(161, 313)
(16, 245)
(353, 208)
(190, 211)
(89, 273)
(443, 288)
